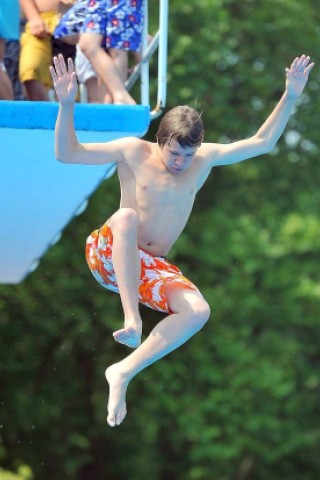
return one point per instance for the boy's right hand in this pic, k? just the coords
(64, 80)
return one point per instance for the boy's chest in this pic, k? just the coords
(166, 190)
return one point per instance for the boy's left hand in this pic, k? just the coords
(297, 75)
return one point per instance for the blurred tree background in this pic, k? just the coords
(240, 401)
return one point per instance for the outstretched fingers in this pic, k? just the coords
(294, 63)
(64, 79)
(60, 67)
(57, 65)
(53, 74)
(297, 75)
(301, 65)
(70, 66)
(308, 68)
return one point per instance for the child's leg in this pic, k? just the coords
(34, 61)
(92, 90)
(90, 44)
(35, 90)
(126, 263)
(96, 90)
(6, 90)
(120, 60)
(104, 94)
(191, 312)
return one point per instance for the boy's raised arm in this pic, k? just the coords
(67, 147)
(269, 133)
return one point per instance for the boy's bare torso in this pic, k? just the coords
(162, 199)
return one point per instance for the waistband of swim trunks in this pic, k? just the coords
(151, 255)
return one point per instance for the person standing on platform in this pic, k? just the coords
(105, 31)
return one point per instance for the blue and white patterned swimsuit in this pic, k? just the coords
(120, 22)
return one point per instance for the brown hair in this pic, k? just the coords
(182, 123)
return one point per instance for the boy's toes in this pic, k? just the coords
(128, 337)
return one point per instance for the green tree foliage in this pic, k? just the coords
(241, 399)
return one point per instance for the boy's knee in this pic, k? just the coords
(189, 303)
(202, 312)
(124, 219)
(87, 45)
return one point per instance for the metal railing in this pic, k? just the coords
(159, 42)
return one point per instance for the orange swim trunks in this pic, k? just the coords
(155, 271)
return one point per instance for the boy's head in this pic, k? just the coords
(183, 124)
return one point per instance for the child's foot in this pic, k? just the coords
(117, 409)
(123, 98)
(128, 336)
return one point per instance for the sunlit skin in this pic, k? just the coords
(176, 158)
(159, 184)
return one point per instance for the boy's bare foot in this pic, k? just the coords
(117, 409)
(128, 336)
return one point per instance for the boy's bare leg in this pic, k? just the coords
(105, 68)
(191, 313)
(126, 263)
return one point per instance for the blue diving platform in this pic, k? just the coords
(39, 195)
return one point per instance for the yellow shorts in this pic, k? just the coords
(36, 53)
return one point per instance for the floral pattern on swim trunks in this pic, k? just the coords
(155, 271)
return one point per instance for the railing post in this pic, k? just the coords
(160, 42)
(144, 87)
(162, 59)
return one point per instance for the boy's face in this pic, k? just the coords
(176, 158)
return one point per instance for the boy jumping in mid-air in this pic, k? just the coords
(159, 182)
